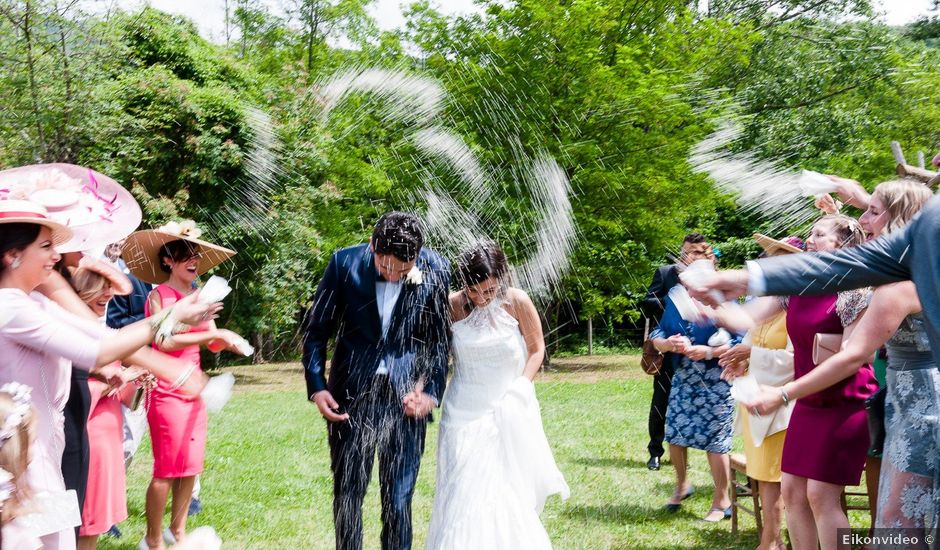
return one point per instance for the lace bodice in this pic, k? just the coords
(489, 353)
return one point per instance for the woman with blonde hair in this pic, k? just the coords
(910, 474)
(105, 502)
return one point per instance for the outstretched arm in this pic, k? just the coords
(879, 262)
(889, 306)
(882, 261)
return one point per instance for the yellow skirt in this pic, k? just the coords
(763, 463)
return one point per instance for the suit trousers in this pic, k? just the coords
(377, 424)
(662, 385)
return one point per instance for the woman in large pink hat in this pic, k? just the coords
(40, 342)
(171, 257)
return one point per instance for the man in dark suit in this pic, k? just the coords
(909, 254)
(386, 302)
(694, 248)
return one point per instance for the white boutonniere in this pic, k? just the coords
(415, 276)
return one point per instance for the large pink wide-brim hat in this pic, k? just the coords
(97, 209)
(13, 211)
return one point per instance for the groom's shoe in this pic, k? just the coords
(653, 463)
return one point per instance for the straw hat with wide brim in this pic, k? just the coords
(97, 209)
(12, 211)
(772, 246)
(142, 249)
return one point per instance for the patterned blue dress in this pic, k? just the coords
(909, 492)
(700, 414)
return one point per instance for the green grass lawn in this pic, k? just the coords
(267, 480)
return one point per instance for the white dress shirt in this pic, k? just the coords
(386, 296)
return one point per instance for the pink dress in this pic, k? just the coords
(39, 343)
(827, 438)
(178, 423)
(106, 493)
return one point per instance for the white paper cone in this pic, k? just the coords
(814, 184)
(215, 290)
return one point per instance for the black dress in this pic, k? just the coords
(75, 456)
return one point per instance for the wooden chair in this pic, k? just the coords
(739, 489)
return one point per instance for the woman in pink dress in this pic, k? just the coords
(178, 423)
(40, 342)
(106, 491)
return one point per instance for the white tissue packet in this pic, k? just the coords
(814, 184)
(745, 388)
(215, 290)
(244, 347)
(720, 338)
(218, 391)
(698, 274)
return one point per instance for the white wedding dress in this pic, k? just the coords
(494, 466)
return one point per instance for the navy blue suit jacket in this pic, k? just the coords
(124, 310)
(415, 348)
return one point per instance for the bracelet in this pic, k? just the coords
(708, 354)
(157, 320)
(163, 325)
(785, 397)
(182, 378)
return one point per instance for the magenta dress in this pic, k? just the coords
(827, 438)
(178, 423)
(106, 493)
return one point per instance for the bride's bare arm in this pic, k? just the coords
(457, 301)
(531, 327)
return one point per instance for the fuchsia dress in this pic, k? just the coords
(106, 494)
(827, 438)
(178, 423)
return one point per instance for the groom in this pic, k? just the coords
(386, 303)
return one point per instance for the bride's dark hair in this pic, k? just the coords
(484, 260)
(481, 262)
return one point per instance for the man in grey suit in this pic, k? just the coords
(910, 254)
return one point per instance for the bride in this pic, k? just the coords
(494, 466)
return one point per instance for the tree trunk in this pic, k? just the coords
(590, 335)
(62, 131)
(31, 71)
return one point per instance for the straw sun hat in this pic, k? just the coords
(97, 209)
(772, 246)
(13, 211)
(141, 250)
